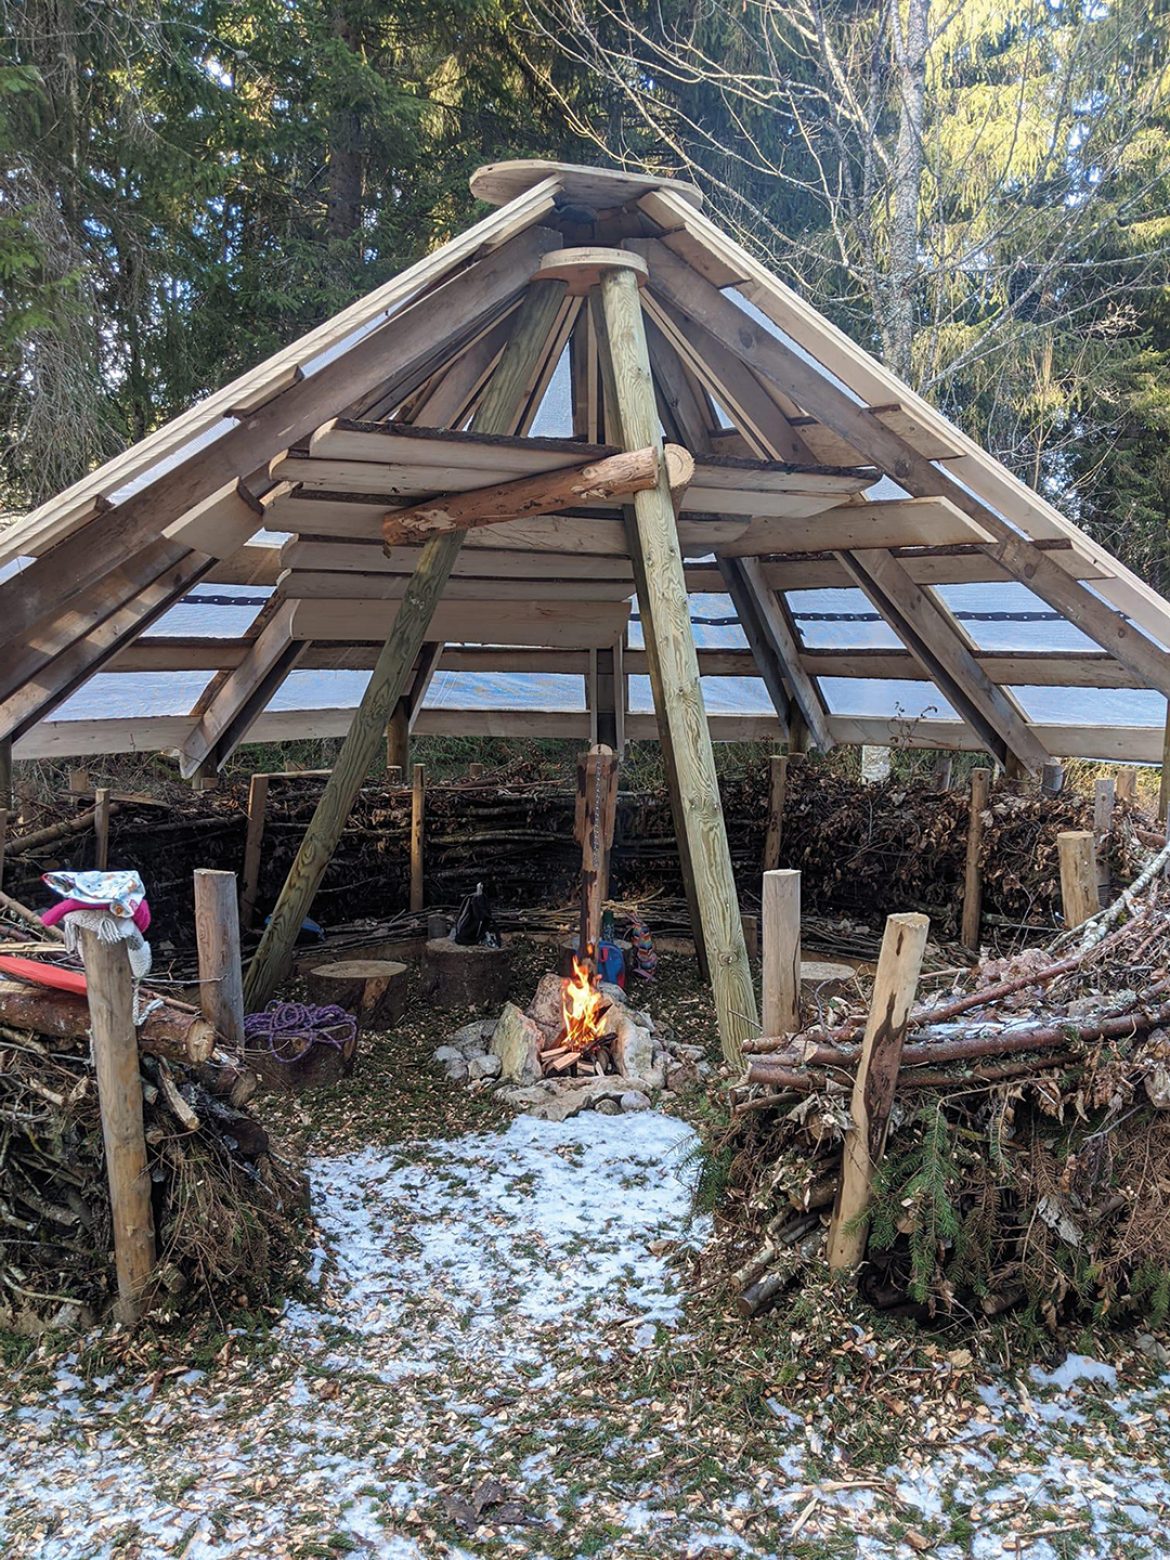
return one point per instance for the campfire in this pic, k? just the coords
(579, 1045)
(583, 1047)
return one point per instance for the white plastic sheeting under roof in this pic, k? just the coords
(997, 617)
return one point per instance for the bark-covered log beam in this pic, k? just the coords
(617, 476)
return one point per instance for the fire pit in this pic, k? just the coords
(578, 1046)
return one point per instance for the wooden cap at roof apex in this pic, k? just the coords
(583, 268)
(600, 188)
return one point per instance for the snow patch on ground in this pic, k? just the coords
(494, 1320)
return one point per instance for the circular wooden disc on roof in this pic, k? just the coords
(583, 268)
(601, 188)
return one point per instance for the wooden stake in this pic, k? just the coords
(898, 968)
(597, 806)
(1127, 784)
(1104, 793)
(101, 828)
(940, 774)
(217, 939)
(875, 765)
(972, 875)
(503, 403)
(777, 792)
(1163, 784)
(1078, 875)
(780, 980)
(1052, 778)
(678, 694)
(257, 809)
(110, 989)
(398, 740)
(79, 784)
(474, 771)
(418, 809)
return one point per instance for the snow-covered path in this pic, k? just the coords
(488, 1366)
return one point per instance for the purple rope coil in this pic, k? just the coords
(282, 1024)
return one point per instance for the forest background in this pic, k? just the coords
(979, 192)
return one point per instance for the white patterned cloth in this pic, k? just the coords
(109, 929)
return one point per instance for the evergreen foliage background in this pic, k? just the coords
(979, 193)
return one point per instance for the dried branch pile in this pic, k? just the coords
(869, 850)
(1028, 1162)
(228, 1210)
(864, 850)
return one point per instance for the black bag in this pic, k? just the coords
(474, 922)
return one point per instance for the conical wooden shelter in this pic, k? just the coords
(425, 526)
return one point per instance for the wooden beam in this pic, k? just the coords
(653, 535)
(110, 993)
(595, 482)
(421, 334)
(921, 623)
(239, 688)
(597, 808)
(101, 828)
(752, 409)
(573, 624)
(497, 413)
(777, 792)
(1104, 797)
(895, 984)
(606, 696)
(607, 394)
(782, 366)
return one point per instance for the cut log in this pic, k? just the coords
(318, 1066)
(373, 990)
(179, 1034)
(824, 978)
(472, 976)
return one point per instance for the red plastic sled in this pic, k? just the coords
(39, 973)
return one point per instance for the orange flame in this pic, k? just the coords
(580, 1001)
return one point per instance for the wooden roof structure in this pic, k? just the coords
(791, 426)
(716, 417)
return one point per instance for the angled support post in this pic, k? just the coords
(503, 403)
(665, 608)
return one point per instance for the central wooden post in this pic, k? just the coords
(665, 610)
(502, 405)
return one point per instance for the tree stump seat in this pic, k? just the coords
(373, 990)
(459, 975)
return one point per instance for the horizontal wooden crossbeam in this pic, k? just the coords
(616, 476)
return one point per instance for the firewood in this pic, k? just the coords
(169, 1030)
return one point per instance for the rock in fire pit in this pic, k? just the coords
(577, 1047)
